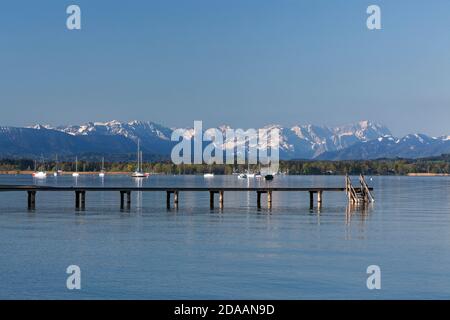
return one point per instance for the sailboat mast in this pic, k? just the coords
(138, 156)
(42, 163)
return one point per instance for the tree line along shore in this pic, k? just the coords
(422, 167)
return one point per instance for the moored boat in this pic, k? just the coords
(139, 173)
(76, 174)
(39, 174)
(102, 171)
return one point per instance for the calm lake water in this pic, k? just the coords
(288, 252)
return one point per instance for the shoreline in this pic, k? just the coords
(65, 173)
(125, 173)
(428, 174)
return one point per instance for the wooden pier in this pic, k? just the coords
(356, 195)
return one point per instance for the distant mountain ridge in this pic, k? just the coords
(361, 140)
(411, 146)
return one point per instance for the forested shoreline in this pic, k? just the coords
(437, 165)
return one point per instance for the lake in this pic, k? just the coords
(238, 252)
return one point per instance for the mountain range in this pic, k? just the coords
(117, 141)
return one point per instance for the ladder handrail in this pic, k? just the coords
(350, 189)
(364, 185)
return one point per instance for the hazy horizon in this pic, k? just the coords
(247, 64)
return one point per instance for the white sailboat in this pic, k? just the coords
(258, 174)
(102, 172)
(139, 173)
(55, 174)
(76, 174)
(39, 174)
(209, 174)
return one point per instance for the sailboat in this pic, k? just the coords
(209, 174)
(102, 172)
(57, 172)
(39, 174)
(242, 175)
(258, 174)
(249, 174)
(139, 173)
(76, 174)
(269, 175)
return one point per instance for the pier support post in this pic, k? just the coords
(311, 199)
(80, 200)
(77, 200)
(83, 200)
(319, 198)
(122, 200)
(258, 199)
(175, 199)
(31, 200)
(269, 199)
(211, 199)
(128, 199)
(221, 199)
(168, 199)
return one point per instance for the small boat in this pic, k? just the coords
(76, 174)
(102, 171)
(268, 177)
(39, 174)
(209, 174)
(258, 174)
(139, 173)
(57, 172)
(242, 176)
(250, 175)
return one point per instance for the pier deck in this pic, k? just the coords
(125, 192)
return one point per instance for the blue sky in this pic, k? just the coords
(246, 63)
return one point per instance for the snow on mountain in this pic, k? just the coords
(313, 141)
(132, 130)
(361, 140)
(409, 146)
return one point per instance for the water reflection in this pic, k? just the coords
(363, 210)
(231, 254)
(138, 183)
